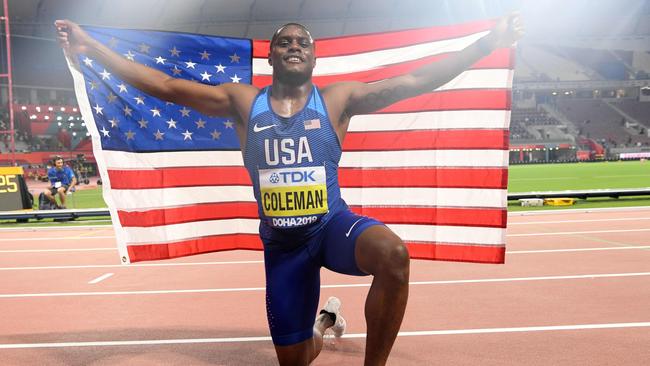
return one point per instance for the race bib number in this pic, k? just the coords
(293, 191)
(57, 184)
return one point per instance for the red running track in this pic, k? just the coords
(575, 291)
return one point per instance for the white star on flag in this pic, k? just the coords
(111, 97)
(105, 75)
(190, 64)
(159, 135)
(129, 135)
(176, 71)
(234, 58)
(98, 109)
(185, 112)
(144, 48)
(235, 79)
(88, 62)
(130, 55)
(187, 135)
(175, 52)
(205, 76)
(228, 124)
(160, 60)
(105, 132)
(215, 134)
(220, 68)
(143, 123)
(139, 100)
(200, 123)
(122, 88)
(127, 111)
(205, 55)
(114, 122)
(155, 112)
(171, 123)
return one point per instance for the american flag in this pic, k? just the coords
(433, 167)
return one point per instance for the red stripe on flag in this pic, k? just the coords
(452, 252)
(436, 216)
(178, 177)
(500, 59)
(192, 213)
(348, 177)
(347, 45)
(496, 99)
(148, 252)
(496, 178)
(423, 139)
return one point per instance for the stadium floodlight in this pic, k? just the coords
(59, 118)
(47, 117)
(74, 109)
(59, 124)
(50, 109)
(74, 133)
(24, 108)
(38, 108)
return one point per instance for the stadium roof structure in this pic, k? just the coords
(259, 18)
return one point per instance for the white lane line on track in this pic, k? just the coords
(577, 221)
(152, 342)
(86, 266)
(92, 266)
(579, 232)
(40, 238)
(59, 250)
(575, 250)
(100, 278)
(352, 285)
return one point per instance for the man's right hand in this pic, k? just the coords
(72, 38)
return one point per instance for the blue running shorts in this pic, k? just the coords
(293, 266)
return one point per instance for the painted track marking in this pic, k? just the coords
(100, 278)
(150, 342)
(352, 285)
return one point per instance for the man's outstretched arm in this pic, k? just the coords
(210, 100)
(364, 98)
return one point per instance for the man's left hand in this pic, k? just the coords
(508, 30)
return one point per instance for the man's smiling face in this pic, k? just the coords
(292, 55)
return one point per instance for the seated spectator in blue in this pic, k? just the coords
(62, 180)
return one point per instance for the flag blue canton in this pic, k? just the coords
(130, 120)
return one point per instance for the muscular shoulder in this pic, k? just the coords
(337, 97)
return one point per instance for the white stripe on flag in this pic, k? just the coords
(142, 199)
(349, 159)
(451, 234)
(423, 233)
(190, 230)
(415, 196)
(480, 79)
(424, 158)
(437, 120)
(127, 160)
(370, 60)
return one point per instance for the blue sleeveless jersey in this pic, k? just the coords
(293, 164)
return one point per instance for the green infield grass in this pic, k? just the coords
(578, 176)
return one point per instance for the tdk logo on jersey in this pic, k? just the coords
(293, 177)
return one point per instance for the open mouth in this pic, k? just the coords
(293, 59)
